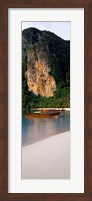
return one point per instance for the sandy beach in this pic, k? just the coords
(47, 159)
(66, 109)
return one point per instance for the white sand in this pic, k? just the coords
(67, 109)
(47, 159)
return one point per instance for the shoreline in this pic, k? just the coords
(65, 109)
(48, 158)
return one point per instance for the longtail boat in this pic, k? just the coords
(50, 110)
(43, 115)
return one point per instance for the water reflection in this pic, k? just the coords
(38, 129)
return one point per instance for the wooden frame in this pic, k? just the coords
(4, 5)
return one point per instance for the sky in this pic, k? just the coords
(61, 29)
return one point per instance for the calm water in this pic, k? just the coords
(34, 130)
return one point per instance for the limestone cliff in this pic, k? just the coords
(38, 79)
(45, 69)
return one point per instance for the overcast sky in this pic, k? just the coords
(61, 29)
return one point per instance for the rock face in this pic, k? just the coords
(38, 79)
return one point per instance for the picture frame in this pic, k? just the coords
(87, 5)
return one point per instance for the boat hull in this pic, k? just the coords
(42, 115)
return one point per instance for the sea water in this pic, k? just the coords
(37, 129)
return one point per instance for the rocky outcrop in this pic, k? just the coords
(45, 70)
(38, 79)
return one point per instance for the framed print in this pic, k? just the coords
(46, 90)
